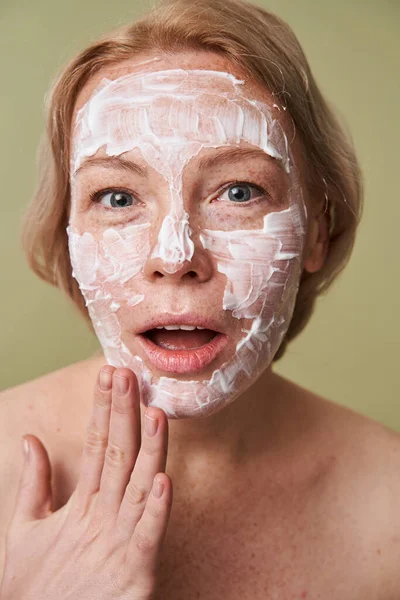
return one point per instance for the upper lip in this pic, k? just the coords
(181, 319)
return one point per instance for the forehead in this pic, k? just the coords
(147, 63)
(250, 89)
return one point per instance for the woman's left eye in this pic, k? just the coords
(241, 192)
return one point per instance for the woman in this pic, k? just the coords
(196, 195)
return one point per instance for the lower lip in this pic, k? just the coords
(184, 361)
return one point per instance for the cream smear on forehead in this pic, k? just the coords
(170, 116)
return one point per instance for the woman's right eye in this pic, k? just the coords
(113, 199)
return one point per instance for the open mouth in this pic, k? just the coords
(180, 339)
(183, 349)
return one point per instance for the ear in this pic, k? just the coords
(318, 242)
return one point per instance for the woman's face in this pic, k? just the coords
(187, 209)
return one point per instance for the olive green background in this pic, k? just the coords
(349, 352)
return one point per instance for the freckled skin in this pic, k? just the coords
(258, 308)
(236, 436)
(256, 509)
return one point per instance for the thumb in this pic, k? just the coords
(34, 498)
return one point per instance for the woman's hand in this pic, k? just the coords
(105, 542)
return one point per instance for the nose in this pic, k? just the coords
(199, 268)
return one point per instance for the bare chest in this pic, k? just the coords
(266, 541)
(312, 541)
(292, 550)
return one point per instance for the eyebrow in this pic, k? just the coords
(234, 155)
(230, 156)
(113, 162)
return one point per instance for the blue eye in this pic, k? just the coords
(240, 192)
(117, 199)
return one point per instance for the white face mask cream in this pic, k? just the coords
(171, 117)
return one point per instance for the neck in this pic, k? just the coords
(235, 435)
(231, 434)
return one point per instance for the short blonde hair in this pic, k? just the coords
(268, 50)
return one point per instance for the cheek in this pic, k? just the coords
(261, 267)
(104, 267)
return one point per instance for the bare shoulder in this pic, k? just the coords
(364, 488)
(379, 492)
(38, 403)
(35, 407)
(47, 407)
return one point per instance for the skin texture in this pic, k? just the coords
(105, 541)
(160, 285)
(280, 494)
(173, 120)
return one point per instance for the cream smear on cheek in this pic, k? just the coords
(170, 116)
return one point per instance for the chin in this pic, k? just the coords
(198, 396)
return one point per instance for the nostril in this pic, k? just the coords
(158, 274)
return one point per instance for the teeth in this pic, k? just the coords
(184, 327)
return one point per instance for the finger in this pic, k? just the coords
(34, 499)
(96, 439)
(152, 459)
(148, 537)
(123, 441)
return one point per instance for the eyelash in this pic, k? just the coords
(97, 195)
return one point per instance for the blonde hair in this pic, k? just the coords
(268, 50)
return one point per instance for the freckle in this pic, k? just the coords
(252, 554)
(379, 551)
(395, 538)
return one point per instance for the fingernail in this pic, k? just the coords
(150, 425)
(122, 384)
(105, 379)
(25, 447)
(158, 488)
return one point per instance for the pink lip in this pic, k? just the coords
(184, 361)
